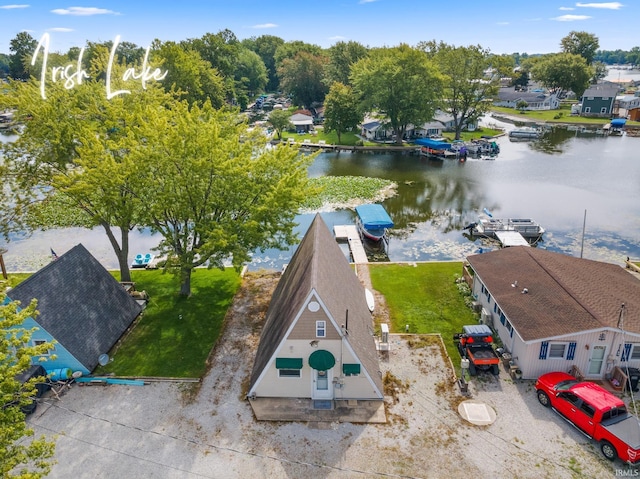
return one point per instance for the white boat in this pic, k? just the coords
(487, 226)
(525, 132)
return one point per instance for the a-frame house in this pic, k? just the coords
(317, 344)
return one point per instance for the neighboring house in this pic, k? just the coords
(442, 121)
(374, 130)
(302, 120)
(554, 311)
(624, 104)
(598, 101)
(81, 306)
(317, 341)
(536, 100)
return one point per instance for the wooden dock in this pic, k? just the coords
(349, 233)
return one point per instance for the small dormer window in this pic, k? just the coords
(321, 329)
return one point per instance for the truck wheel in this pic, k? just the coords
(495, 370)
(543, 399)
(472, 369)
(608, 450)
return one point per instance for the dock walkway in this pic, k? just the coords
(350, 234)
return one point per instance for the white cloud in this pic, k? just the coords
(13, 7)
(571, 18)
(503, 23)
(362, 2)
(61, 29)
(566, 8)
(265, 25)
(83, 11)
(606, 5)
(337, 38)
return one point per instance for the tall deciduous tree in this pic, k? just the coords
(467, 91)
(342, 56)
(581, 43)
(214, 192)
(562, 72)
(279, 120)
(250, 74)
(401, 83)
(21, 455)
(22, 46)
(302, 76)
(74, 154)
(266, 46)
(189, 74)
(342, 109)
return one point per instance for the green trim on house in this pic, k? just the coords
(351, 369)
(321, 360)
(288, 363)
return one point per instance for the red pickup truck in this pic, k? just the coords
(599, 414)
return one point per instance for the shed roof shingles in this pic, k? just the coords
(80, 304)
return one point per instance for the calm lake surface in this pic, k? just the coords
(553, 180)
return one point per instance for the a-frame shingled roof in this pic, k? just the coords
(565, 295)
(80, 304)
(319, 264)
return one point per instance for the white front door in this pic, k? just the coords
(597, 360)
(322, 384)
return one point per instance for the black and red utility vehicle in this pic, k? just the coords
(475, 343)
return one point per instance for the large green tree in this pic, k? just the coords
(189, 74)
(214, 191)
(342, 56)
(342, 109)
(250, 75)
(21, 454)
(279, 120)
(22, 48)
(400, 83)
(302, 76)
(581, 43)
(467, 90)
(562, 72)
(266, 46)
(72, 164)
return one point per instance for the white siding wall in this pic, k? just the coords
(527, 356)
(354, 387)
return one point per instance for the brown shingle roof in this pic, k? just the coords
(566, 295)
(319, 264)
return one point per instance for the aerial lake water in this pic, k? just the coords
(554, 181)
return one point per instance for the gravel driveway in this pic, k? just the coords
(173, 430)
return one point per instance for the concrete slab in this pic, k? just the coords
(302, 410)
(477, 412)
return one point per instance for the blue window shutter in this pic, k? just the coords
(626, 352)
(544, 345)
(572, 351)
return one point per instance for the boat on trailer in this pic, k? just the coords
(373, 222)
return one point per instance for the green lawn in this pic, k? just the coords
(426, 298)
(175, 335)
(561, 115)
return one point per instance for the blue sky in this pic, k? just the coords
(501, 26)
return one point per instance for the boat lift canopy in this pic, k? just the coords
(618, 122)
(433, 144)
(374, 216)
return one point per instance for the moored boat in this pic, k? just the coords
(528, 132)
(373, 222)
(488, 226)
